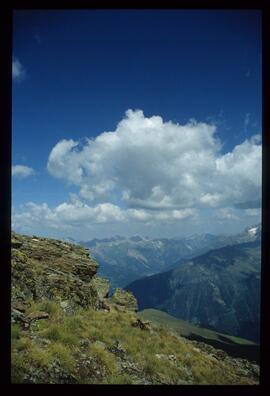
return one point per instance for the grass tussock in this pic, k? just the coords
(50, 307)
(15, 332)
(106, 359)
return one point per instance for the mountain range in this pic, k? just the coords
(124, 260)
(219, 289)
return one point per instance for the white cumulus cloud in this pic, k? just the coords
(78, 214)
(154, 164)
(149, 174)
(22, 171)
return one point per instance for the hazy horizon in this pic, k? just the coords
(146, 237)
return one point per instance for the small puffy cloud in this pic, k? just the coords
(18, 72)
(158, 165)
(22, 171)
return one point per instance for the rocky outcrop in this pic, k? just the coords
(124, 299)
(44, 268)
(57, 255)
(102, 285)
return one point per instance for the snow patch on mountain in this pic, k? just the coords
(253, 231)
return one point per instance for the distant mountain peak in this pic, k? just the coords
(136, 238)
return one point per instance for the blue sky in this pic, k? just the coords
(76, 73)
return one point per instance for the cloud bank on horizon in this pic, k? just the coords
(150, 172)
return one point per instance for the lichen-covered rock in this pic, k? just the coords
(102, 286)
(38, 315)
(46, 268)
(118, 350)
(58, 255)
(20, 306)
(124, 299)
(17, 316)
(141, 324)
(52, 374)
